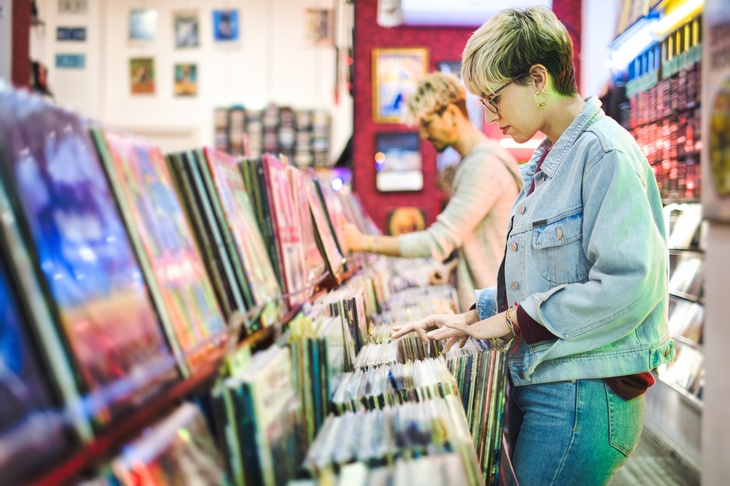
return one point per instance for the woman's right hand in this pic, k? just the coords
(438, 321)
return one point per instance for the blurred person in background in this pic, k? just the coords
(485, 185)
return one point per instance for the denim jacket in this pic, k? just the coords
(586, 257)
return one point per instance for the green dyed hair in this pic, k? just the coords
(510, 43)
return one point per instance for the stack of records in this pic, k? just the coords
(687, 277)
(321, 122)
(379, 437)
(686, 320)
(372, 355)
(287, 132)
(257, 412)
(83, 258)
(348, 303)
(374, 388)
(328, 239)
(271, 129)
(267, 180)
(255, 131)
(218, 210)
(32, 427)
(321, 349)
(165, 245)
(220, 125)
(237, 138)
(303, 155)
(480, 377)
(178, 450)
(442, 470)
(313, 256)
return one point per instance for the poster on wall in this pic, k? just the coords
(186, 79)
(187, 29)
(318, 27)
(406, 220)
(73, 6)
(142, 25)
(142, 75)
(398, 162)
(396, 73)
(226, 26)
(716, 111)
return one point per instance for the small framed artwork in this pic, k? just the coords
(186, 79)
(187, 29)
(142, 75)
(142, 25)
(318, 27)
(396, 73)
(225, 25)
(398, 163)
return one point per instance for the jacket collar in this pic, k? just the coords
(590, 114)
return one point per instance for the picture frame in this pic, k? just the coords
(226, 25)
(186, 26)
(395, 73)
(142, 25)
(398, 161)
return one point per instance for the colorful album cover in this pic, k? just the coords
(335, 212)
(313, 257)
(142, 25)
(186, 79)
(226, 26)
(333, 257)
(32, 429)
(178, 450)
(74, 230)
(186, 27)
(286, 224)
(245, 231)
(142, 75)
(141, 179)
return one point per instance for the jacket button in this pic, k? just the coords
(513, 246)
(521, 374)
(521, 209)
(560, 233)
(515, 286)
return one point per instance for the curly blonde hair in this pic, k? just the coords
(436, 91)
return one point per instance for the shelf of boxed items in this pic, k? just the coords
(664, 116)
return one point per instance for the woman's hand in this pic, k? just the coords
(439, 322)
(490, 328)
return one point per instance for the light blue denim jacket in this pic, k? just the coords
(587, 258)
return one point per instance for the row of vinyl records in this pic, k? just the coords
(124, 273)
(122, 267)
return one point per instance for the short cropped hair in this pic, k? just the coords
(435, 92)
(511, 42)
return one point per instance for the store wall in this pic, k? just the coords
(6, 50)
(270, 64)
(444, 44)
(597, 35)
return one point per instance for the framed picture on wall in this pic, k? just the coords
(396, 73)
(186, 79)
(142, 75)
(187, 29)
(142, 25)
(398, 163)
(225, 25)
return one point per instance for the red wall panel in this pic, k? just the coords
(444, 44)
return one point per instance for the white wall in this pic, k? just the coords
(596, 33)
(6, 35)
(271, 64)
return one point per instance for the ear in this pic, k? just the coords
(540, 77)
(454, 112)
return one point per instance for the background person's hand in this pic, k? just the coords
(354, 239)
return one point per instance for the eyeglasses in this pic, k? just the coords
(488, 101)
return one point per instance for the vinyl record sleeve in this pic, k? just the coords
(152, 210)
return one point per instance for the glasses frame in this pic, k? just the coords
(486, 101)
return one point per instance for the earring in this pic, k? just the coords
(542, 103)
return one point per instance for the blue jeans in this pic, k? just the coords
(571, 432)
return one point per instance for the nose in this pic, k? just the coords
(490, 117)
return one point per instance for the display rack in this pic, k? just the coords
(662, 112)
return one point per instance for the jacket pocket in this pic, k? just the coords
(558, 250)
